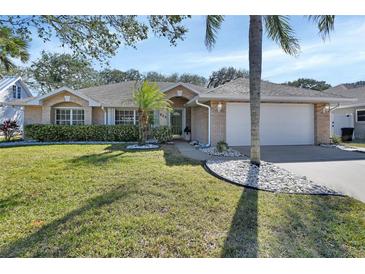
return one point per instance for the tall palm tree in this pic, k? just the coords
(148, 97)
(278, 29)
(12, 46)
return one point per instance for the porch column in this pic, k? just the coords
(111, 116)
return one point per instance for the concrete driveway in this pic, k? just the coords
(341, 170)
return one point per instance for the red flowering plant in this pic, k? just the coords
(9, 128)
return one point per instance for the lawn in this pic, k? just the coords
(101, 201)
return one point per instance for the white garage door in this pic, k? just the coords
(281, 124)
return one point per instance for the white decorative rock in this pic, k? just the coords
(265, 177)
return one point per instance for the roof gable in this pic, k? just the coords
(8, 81)
(38, 100)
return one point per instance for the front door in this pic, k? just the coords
(176, 121)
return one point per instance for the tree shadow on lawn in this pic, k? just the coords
(296, 226)
(109, 153)
(241, 240)
(59, 237)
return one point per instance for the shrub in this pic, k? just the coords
(162, 134)
(60, 133)
(9, 128)
(336, 139)
(222, 146)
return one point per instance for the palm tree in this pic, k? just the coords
(148, 97)
(278, 29)
(12, 47)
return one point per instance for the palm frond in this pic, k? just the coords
(12, 46)
(212, 25)
(325, 24)
(279, 30)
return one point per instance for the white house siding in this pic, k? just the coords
(9, 112)
(346, 117)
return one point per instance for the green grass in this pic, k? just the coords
(101, 201)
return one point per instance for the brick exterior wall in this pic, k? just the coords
(218, 122)
(321, 124)
(199, 124)
(32, 115)
(45, 114)
(97, 116)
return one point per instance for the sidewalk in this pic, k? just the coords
(191, 152)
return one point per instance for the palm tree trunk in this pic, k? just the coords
(141, 140)
(255, 63)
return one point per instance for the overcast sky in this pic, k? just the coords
(337, 60)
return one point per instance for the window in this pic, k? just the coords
(14, 91)
(65, 116)
(19, 92)
(360, 115)
(124, 117)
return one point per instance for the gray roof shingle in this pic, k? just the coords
(121, 94)
(241, 87)
(341, 90)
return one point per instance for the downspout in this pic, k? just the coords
(208, 107)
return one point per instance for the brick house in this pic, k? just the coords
(289, 115)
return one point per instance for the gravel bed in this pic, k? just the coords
(267, 177)
(214, 152)
(139, 147)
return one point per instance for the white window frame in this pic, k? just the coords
(133, 116)
(357, 121)
(71, 114)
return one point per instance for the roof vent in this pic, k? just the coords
(179, 93)
(67, 98)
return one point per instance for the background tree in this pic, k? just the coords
(224, 75)
(279, 30)
(112, 76)
(192, 79)
(309, 84)
(96, 37)
(148, 97)
(54, 70)
(153, 76)
(11, 46)
(355, 84)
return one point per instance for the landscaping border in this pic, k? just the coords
(211, 172)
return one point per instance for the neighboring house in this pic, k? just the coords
(348, 114)
(289, 115)
(12, 88)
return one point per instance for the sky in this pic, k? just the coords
(339, 59)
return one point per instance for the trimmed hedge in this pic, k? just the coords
(162, 134)
(61, 133)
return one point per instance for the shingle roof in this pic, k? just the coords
(358, 93)
(241, 86)
(121, 94)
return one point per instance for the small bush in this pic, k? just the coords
(335, 139)
(162, 134)
(9, 128)
(61, 133)
(222, 146)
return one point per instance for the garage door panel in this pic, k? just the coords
(280, 124)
